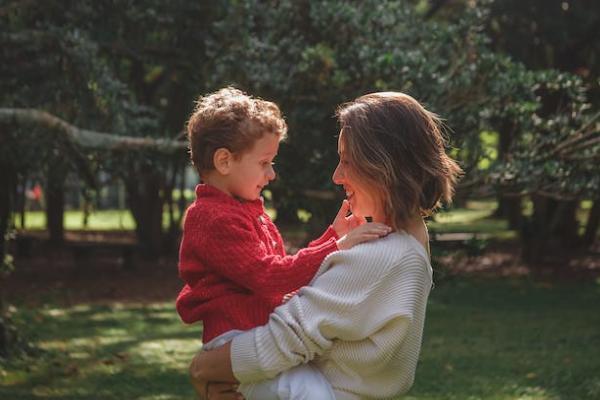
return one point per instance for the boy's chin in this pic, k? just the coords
(250, 198)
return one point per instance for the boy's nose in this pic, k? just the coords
(271, 173)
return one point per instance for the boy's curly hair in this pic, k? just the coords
(231, 119)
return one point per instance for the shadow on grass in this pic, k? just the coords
(484, 339)
(510, 339)
(103, 352)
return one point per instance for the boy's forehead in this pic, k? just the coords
(266, 145)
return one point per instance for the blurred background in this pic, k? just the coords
(95, 178)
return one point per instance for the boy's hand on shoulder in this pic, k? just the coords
(363, 233)
(288, 296)
(342, 224)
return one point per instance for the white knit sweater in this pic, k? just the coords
(360, 321)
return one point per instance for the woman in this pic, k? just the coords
(360, 321)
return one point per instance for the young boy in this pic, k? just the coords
(232, 257)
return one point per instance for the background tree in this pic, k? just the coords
(134, 69)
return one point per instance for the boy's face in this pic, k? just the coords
(251, 172)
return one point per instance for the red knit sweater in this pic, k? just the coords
(233, 262)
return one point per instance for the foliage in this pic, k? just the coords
(310, 57)
(557, 148)
(135, 68)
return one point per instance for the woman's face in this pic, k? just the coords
(363, 201)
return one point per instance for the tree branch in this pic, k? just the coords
(87, 138)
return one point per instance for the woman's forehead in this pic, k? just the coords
(341, 144)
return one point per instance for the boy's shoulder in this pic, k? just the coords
(207, 212)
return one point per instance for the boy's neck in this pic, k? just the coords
(214, 180)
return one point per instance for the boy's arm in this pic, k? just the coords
(235, 250)
(328, 234)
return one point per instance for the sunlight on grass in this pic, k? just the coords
(475, 218)
(166, 351)
(516, 340)
(98, 220)
(73, 219)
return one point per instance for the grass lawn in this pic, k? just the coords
(474, 218)
(484, 339)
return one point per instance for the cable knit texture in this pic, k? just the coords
(360, 321)
(233, 262)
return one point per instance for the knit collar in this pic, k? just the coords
(206, 191)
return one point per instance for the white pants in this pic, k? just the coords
(303, 382)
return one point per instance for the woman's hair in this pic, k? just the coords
(397, 148)
(231, 119)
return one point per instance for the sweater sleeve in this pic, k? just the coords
(353, 301)
(235, 248)
(328, 234)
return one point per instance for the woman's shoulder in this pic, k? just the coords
(397, 255)
(391, 248)
(383, 253)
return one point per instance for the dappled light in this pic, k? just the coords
(119, 120)
(488, 355)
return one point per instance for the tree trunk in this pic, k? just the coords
(7, 184)
(145, 203)
(20, 199)
(593, 221)
(551, 231)
(508, 207)
(55, 203)
(182, 201)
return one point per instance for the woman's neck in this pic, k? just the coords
(416, 228)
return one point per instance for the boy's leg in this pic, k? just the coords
(304, 382)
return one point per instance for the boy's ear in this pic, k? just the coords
(222, 160)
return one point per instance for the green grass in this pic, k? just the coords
(476, 217)
(98, 220)
(484, 339)
(103, 352)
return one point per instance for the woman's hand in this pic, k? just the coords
(363, 233)
(342, 224)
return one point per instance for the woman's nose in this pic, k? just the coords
(338, 175)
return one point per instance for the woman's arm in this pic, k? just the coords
(216, 365)
(365, 295)
(363, 298)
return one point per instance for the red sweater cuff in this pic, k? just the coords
(328, 234)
